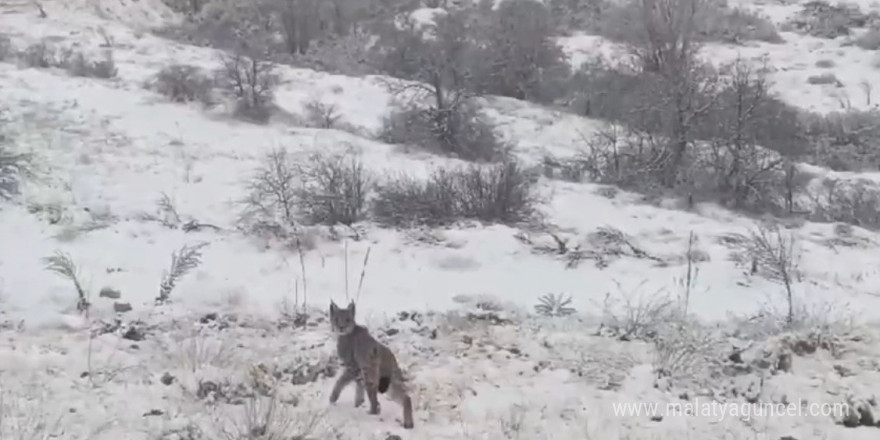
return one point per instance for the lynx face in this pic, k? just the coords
(342, 320)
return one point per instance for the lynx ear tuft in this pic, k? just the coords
(333, 307)
(351, 306)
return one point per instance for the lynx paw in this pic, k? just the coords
(408, 425)
(358, 401)
(374, 410)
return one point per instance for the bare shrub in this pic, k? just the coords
(6, 48)
(523, 60)
(635, 316)
(869, 40)
(824, 79)
(269, 418)
(332, 189)
(743, 172)
(458, 130)
(776, 257)
(820, 19)
(321, 115)
(498, 193)
(13, 168)
(845, 141)
(271, 192)
(63, 265)
(186, 6)
(300, 24)
(183, 262)
(77, 64)
(41, 55)
(184, 83)
(684, 351)
(198, 351)
(250, 81)
(438, 110)
(23, 414)
(715, 21)
(854, 202)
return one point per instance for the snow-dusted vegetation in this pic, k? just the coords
(546, 210)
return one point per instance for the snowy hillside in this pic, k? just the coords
(674, 299)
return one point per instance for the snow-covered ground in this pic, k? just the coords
(108, 149)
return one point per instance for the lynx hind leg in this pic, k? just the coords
(370, 372)
(397, 392)
(359, 392)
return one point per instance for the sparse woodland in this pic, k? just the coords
(673, 126)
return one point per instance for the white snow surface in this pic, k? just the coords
(107, 149)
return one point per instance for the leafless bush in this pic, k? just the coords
(502, 193)
(186, 6)
(251, 81)
(685, 351)
(824, 79)
(63, 265)
(744, 173)
(182, 262)
(634, 315)
(300, 23)
(272, 192)
(821, 19)
(332, 189)
(776, 257)
(459, 130)
(715, 21)
(269, 418)
(321, 115)
(41, 55)
(844, 141)
(870, 40)
(851, 202)
(6, 48)
(77, 64)
(523, 60)
(13, 168)
(23, 414)
(184, 83)
(195, 352)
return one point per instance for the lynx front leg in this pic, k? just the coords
(345, 378)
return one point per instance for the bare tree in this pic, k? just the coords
(667, 54)
(775, 256)
(250, 80)
(524, 60)
(439, 106)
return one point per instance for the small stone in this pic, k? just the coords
(154, 412)
(393, 437)
(109, 292)
(121, 307)
(167, 379)
(392, 331)
(133, 334)
(657, 418)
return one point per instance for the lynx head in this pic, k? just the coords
(342, 320)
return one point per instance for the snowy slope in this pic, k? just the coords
(109, 148)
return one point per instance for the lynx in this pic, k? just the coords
(368, 362)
